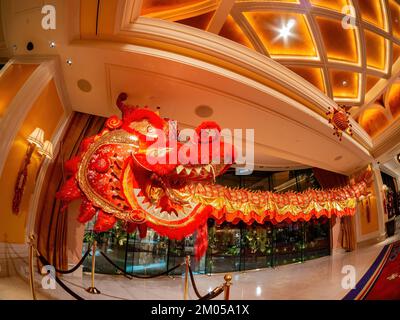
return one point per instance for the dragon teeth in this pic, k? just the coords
(198, 170)
(136, 191)
(188, 171)
(164, 213)
(157, 211)
(145, 205)
(208, 168)
(179, 169)
(186, 210)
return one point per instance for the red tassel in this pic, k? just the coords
(69, 191)
(85, 144)
(131, 227)
(71, 166)
(201, 241)
(104, 222)
(142, 230)
(87, 211)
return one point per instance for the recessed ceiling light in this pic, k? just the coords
(398, 158)
(204, 111)
(286, 30)
(52, 44)
(84, 85)
(69, 61)
(344, 83)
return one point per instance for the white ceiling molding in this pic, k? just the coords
(216, 46)
(220, 16)
(186, 11)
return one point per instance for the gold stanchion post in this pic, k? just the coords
(227, 286)
(186, 288)
(92, 289)
(31, 268)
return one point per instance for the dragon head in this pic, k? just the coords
(134, 169)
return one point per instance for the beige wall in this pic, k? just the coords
(46, 113)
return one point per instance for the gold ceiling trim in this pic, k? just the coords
(311, 10)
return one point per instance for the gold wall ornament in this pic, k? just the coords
(45, 149)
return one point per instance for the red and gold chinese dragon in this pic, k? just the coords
(117, 178)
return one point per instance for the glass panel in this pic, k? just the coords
(112, 243)
(288, 243)
(224, 243)
(147, 255)
(257, 246)
(231, 247)
(306, 180)
(317, 238)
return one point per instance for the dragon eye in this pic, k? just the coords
(150, 129)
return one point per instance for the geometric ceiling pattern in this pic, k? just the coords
(342, 47)
(313, 38)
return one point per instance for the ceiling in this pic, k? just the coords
(288, 135)
(177, 89)
(345, 62)
(349, 59)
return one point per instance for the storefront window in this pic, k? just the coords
(230, 247)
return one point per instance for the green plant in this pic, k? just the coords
(233, 251)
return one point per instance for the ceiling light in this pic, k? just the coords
(69, 61)
(344, 83)
(52, 44)
(285, 30)
(204, 111)
(84, 85)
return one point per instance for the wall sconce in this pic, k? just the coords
(35, 140)
(45, 152)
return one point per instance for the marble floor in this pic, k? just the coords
(317, 279)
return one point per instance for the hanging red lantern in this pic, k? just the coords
(339, 118)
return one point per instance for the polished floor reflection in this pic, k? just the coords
(315, 279)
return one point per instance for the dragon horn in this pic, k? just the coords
(120, 100)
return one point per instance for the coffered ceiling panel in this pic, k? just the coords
(345, 84)
(296, 42)
(152, 7)
(376, 51)
(200, 21)
(350, 53)
(394, 9)
(340, 44)
(373, 12)
(332, 5)
(232, 31)
(371, 82)
(346, 48)
(313, 75)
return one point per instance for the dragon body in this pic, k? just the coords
(119, 175)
